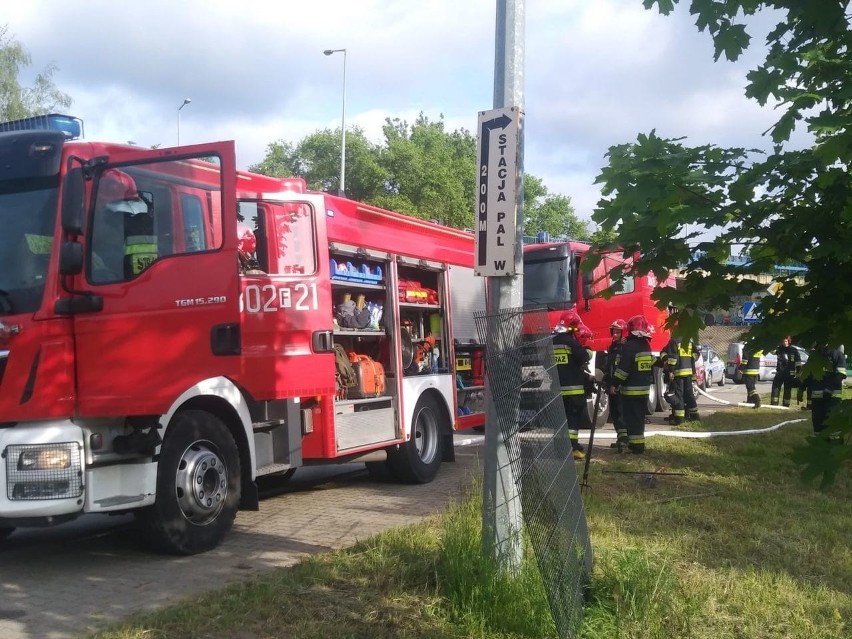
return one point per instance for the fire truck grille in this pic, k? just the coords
(43, 471)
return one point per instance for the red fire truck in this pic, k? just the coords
(153, 360)
(553, 279)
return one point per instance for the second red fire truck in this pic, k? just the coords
(172, 328)
(553, 279)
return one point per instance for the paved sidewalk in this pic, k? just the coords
(62, 587)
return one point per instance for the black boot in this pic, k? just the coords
(620, 443)
(636, 449)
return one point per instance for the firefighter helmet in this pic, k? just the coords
(568, 321)
(116, 185)
(117, 190)
(639, 326)
(618, 325)
(246, 241)
(584, 335)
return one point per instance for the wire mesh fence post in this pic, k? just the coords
(530, 417)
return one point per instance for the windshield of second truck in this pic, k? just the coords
(27, 217)
(548, 281)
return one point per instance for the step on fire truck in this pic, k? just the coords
(553, 279)
(156, 359)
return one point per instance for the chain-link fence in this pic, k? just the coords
(523, 382)
(718, 337)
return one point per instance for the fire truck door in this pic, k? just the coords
(286, 302)
(161, 252)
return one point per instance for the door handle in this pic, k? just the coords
(322, 342)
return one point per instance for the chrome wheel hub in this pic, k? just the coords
(201, 484)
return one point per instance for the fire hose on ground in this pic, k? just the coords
(706, 434)
(743, 404)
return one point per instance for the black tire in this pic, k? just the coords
(655, 394)
(417, 461)
(198, 486)
(708, 381)
(5, 532)
(721, 381)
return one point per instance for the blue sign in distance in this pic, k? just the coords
(750, 313)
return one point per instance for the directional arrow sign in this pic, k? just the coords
(496, 195)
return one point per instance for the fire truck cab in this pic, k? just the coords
(151, 361)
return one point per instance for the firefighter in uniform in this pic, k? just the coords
(785, 371)
(668, 361)
(751, 370)
(572, 361)
(618, 332)
(803, 391)
(632, 379)
(682, 364)
(826, 386)
(246, 250)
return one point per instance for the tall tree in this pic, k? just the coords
(17, 101)
(421, 169)
(430, 172)
(550, 212)
(316, 158)
(784, 205)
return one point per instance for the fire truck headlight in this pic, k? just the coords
(44, 471)
(48, 458)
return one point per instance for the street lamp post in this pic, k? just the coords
(342, 123)
(185, 102)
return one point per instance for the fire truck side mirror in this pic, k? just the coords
(71, 258)
(73, 195)
(588, 278)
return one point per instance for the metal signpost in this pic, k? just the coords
(499, 237)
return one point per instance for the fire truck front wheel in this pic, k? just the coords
(198, 486)
(417, 461)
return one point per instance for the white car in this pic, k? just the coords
(768, 362)
(709, 368)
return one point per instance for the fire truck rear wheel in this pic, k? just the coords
(603, 412)
(417, 461)
(655, 394)
(5, 532)
(198, 486)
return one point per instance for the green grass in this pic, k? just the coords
(736, 547)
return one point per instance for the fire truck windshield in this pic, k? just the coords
(27, 217)
(549, 279)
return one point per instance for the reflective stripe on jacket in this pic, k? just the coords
(635, 372)
(571, 361)
(685, 360)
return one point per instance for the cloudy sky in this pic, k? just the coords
(597, 72)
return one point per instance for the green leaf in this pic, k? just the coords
(731, 40)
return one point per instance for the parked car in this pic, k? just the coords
(700, 378)
(768, 362)
(713, 368)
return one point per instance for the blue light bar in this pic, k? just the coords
(72, 127)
